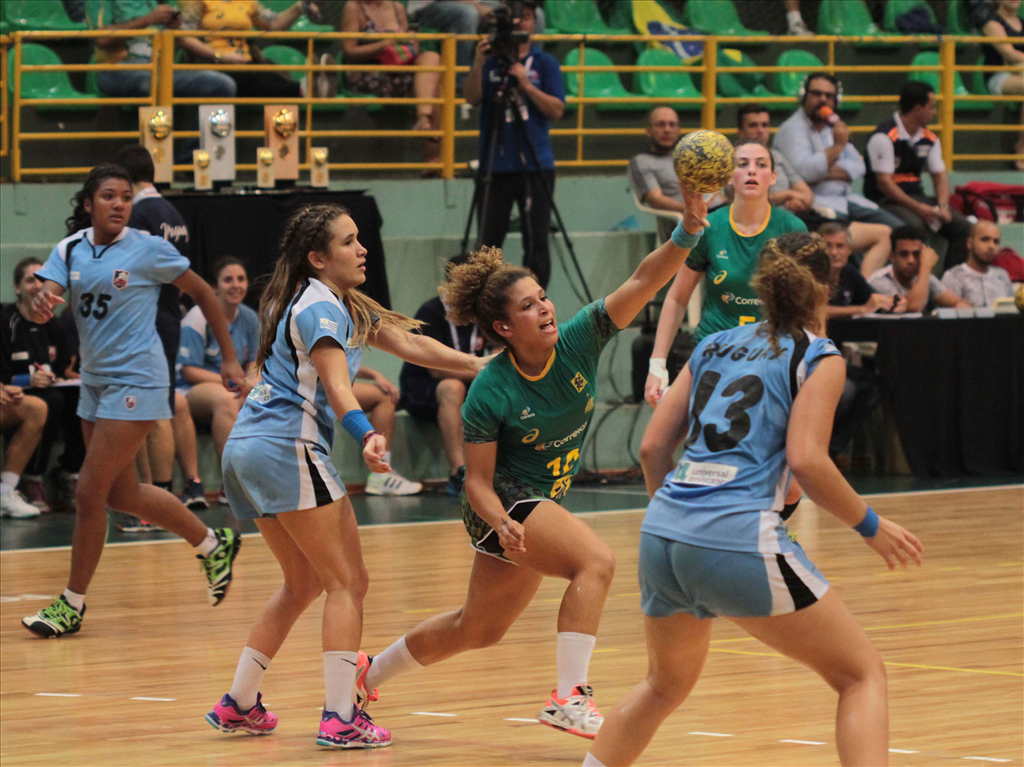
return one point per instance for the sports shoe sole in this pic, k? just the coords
(69, 632)
(197, 504)
(235, 730)
(554, 724)
(350, 744)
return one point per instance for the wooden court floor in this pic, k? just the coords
(152, 658)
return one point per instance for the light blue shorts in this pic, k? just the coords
(123, 403)
(680, 577)
(264, 476)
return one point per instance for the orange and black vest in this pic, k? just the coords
(911, 159)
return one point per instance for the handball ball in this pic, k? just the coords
(1018, 298)
(704, 161)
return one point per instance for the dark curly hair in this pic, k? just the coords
(476, 290)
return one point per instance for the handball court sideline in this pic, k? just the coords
(152, 657)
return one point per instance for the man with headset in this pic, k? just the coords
(817, 143)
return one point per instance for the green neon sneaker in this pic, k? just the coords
(217, 564)
(55, 621)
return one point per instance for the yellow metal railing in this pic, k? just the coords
(5, 118)
(163, 68)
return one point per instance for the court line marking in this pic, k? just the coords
(985, 759)
(805, 742)
(712, 734)
(887, 663)
(391, 525)
(58, 695)
(517, 719)
(902, 751)
(429, 713)
(159, 700)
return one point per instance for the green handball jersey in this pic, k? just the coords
(728, 260)
(539, 422)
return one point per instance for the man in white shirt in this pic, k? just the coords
(977, 280)
(910, 274)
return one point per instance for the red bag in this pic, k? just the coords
(1009, 260)
(989, 201)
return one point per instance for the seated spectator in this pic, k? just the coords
(437, 395)
(378, 401)
(652, 173)
(910, 274)
(241, 15)
(23, 417)
(199, 360)
(818, 146)
(35, 358)
(389, 16)
(142, 14)
(458, 17)
(979, 281)
(852, 296)
(898, 152)
(789, 190)
(1005, 21)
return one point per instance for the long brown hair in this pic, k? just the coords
(309, 229)
(476, 290)
(793, 278)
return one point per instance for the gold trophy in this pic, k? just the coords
(280, 124)
(201, 169)
(265, 168)
(156, 126)
(318, 171)
(217, 137)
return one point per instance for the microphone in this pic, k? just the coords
(828, 115)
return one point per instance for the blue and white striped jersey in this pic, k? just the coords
(113, 291)
(728, 488)
(290, 401)
(198, 348)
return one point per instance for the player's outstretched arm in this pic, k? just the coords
(425, 351)
(658, 267)
(665, 431)
(807, 438)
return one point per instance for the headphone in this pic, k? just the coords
(801, 94)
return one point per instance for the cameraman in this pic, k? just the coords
(534, 86)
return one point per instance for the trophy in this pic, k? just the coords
(318, 172)
(156, 124)
(201, 169)
(265, 168)
(217, 138)
(282, 138)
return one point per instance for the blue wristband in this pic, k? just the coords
(683, 240)
(357, 424)
(23, 380)
(868, 526)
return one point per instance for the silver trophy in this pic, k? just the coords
(217, 138)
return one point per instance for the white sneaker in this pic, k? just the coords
(577, 714)
(392, 483)
(799, 28)
(14, 505)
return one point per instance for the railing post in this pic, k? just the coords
(16, 116)
(708, 85)
(6, 117)
(448, 108)
(310, 91)
(164, 48)
(580, 80)
(947, 79)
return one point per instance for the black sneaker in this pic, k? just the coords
(455, 482)
(194, 498)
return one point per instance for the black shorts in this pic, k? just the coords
(519, 502)
(168, 327)
(419, 398)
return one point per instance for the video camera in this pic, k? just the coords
(504, 38)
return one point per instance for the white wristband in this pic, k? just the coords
(657, 368)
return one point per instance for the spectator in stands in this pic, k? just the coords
(23, 417)
(142, 14)
(910, 274)
(389, 16)
(897, 153)
(652, 173)
(199, 359)
(1005, 22)
(818, 145)
(852, 295)
(38, 358)
(979, 281)
(437, 395)
(458, 17)
(243, 16)
(795, 24)
(379, 400)
(535, 83)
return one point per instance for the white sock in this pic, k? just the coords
(75, 600)
(394, 661)
(10, 479)
(248, 676)
(592, 761)
(208, 544)
(793, 17)
(386, 457)
(340, 682)
(573, 660)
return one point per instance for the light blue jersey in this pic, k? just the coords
(290, 402)
(730, 485)
(198, 348)
(113, 291)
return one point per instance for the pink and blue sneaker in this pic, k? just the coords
(361, 732)
(227, 717)
(363, 695)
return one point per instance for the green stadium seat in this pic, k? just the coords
(303, 24)
(46, 85)
(33, 15)
(286, 56)
(978, 86)
(597, 84)
(849, 18)
(896, 8)
(666, 84)
(717, 17)
(579, 17)
(931, 58)
(748, 85)
(957, 20)
(788, 83)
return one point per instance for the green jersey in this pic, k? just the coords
(539, 422)
(728, 260)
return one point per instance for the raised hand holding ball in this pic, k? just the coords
(704, 161)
